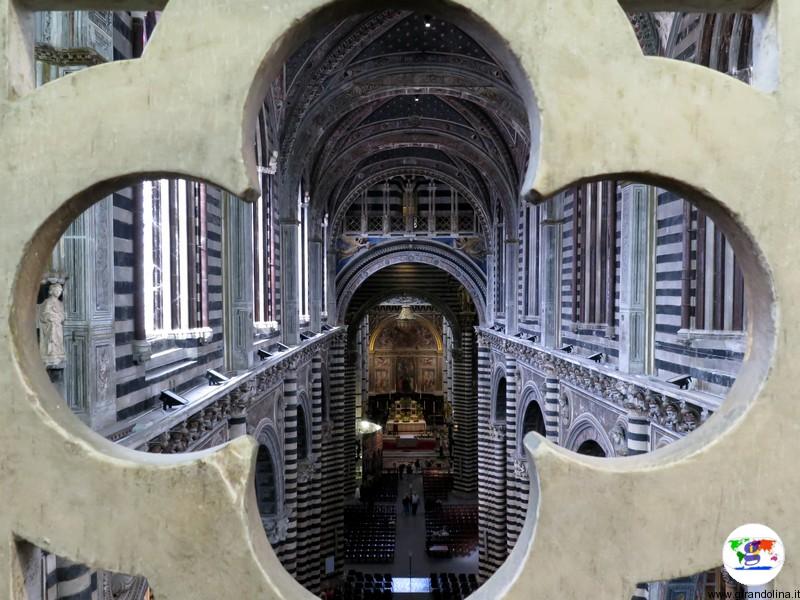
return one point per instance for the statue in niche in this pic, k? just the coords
(566, 412)
(50, 321)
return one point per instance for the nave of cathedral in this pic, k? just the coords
(390, 318)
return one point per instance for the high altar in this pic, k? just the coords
(405, 417)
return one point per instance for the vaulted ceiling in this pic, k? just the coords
(380, 92)
(386, 90)
(401, 94)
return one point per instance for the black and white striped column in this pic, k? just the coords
(642, 592)
(309, 565)
(551, 409)
(352, 380)
(49, 566)
(516, 490)
(288, 548)
(75, 582)
(332, 509)
(237, 422)
(491, 474)
(484, 461)
(447, 360)
(465, 413)
(638, 433)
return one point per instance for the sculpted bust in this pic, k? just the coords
(50, 321)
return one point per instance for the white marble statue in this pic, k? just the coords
(51, 328)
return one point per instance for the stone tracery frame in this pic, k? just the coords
(49, 456)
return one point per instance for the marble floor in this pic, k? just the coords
(410, 559)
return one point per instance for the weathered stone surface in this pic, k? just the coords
(190, 523)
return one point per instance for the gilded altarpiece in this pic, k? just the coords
(406, 357)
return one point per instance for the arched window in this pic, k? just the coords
(500, 265)
(303, 202)
(266, 486)
(265, 232)
(591, 448)
(302, 433)
(174, 233)
(500, 400)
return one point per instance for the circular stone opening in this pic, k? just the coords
(388, 275)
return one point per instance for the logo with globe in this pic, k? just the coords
(753, 554)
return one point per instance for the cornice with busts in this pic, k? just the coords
(199, 422)
(676, 411)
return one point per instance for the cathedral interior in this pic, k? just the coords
(391, 317)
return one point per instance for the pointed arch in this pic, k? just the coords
(588, 428)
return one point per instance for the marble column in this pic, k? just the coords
(85, 256)
(332, 517)
(364, 368)
(331, 275)
(550, 275)
(238, 283)
(315, 282)
(446, 360)
(636, 271)
(552, 418)
(465, 412)
(74, 580)
(288, 548)
(638, 434)
(352, 381)
(491, 472)
(511, 289)
(237, 422)
(310, 564)
(290, 285)
(140, 346)
(516, 486)
(491, 282)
